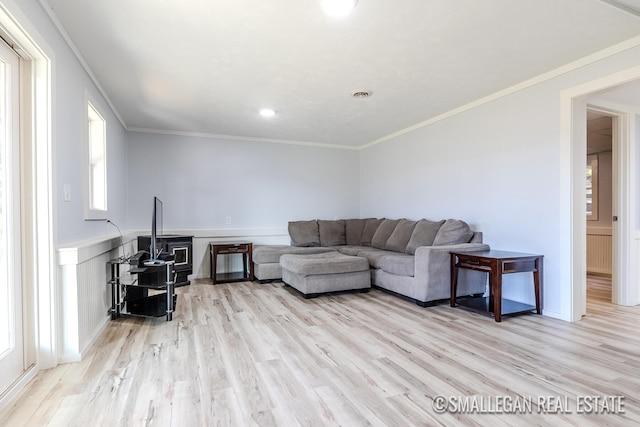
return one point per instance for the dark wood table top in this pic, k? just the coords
(497, 254)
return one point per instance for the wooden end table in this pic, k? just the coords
(229, 248)
(496, 263)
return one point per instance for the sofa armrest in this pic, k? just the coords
(462, 247)
(433, 268)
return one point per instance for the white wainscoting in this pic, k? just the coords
(599, 250)
(202, 238)
(84, 299)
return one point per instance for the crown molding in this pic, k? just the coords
(56, 22)
(587, 60)
(241, 138)
(622, 6)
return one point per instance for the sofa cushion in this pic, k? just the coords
(370, 228)
(332, 233)
(423, 234)
(399, 264)
(351, 249)
(400, 237)
(327, 263)
(383, 233)
(304, 233)
(453, 232)
(374, 256)
(353, 230)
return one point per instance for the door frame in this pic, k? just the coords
(620, 147)
(574, 103)
(38, 272)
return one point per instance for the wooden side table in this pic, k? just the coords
(497, 263)
(244, 248)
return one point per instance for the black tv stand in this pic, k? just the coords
(132, 298)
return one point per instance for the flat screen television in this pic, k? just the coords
(156, 230)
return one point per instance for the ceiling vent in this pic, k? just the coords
(361, 93)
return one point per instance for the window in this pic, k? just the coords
(592, 187)
(97, 142)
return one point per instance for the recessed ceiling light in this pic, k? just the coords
(267, 112)
(338, 8)
(361, 93)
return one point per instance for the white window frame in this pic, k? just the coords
(96, 201)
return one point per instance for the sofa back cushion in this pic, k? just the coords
(453, 232)
(304, 233)
(353, 230)
(400, 237)
(370, 228)
(423, 234)
(383, 233)
(332, 233)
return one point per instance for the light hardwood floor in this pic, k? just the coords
(245, 354)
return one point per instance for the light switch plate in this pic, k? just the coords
(67, 193)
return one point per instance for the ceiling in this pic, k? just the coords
(208, 66)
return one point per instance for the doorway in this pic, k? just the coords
(12, 339)
(599, 206)
(619, 94)
(33, 266)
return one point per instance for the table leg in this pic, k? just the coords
(115, 287)
(496, 284)
(251, 275)
(537, 284)
(214, 265)
(454, 280)
(169, 283)
(245, 269)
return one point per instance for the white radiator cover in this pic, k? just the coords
(599, 250)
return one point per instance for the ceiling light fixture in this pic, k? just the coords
(267, 112)
(338, 8)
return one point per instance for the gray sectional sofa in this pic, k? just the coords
(408, 258)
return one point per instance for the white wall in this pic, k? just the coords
(497, 166)
(202, 181)
(69, 88)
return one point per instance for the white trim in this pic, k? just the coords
(14, 390)
(233, 232)
(79, 252)
(623, 7)
(589, 59)
(56, 22)
(242, 138)
(75, 253)
(573, 248)
(41, 275)
(89, 212)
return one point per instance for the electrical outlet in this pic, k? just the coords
(227, 220)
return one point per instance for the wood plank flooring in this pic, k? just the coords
(243, 354)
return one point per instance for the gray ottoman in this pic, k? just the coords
(328, 272)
